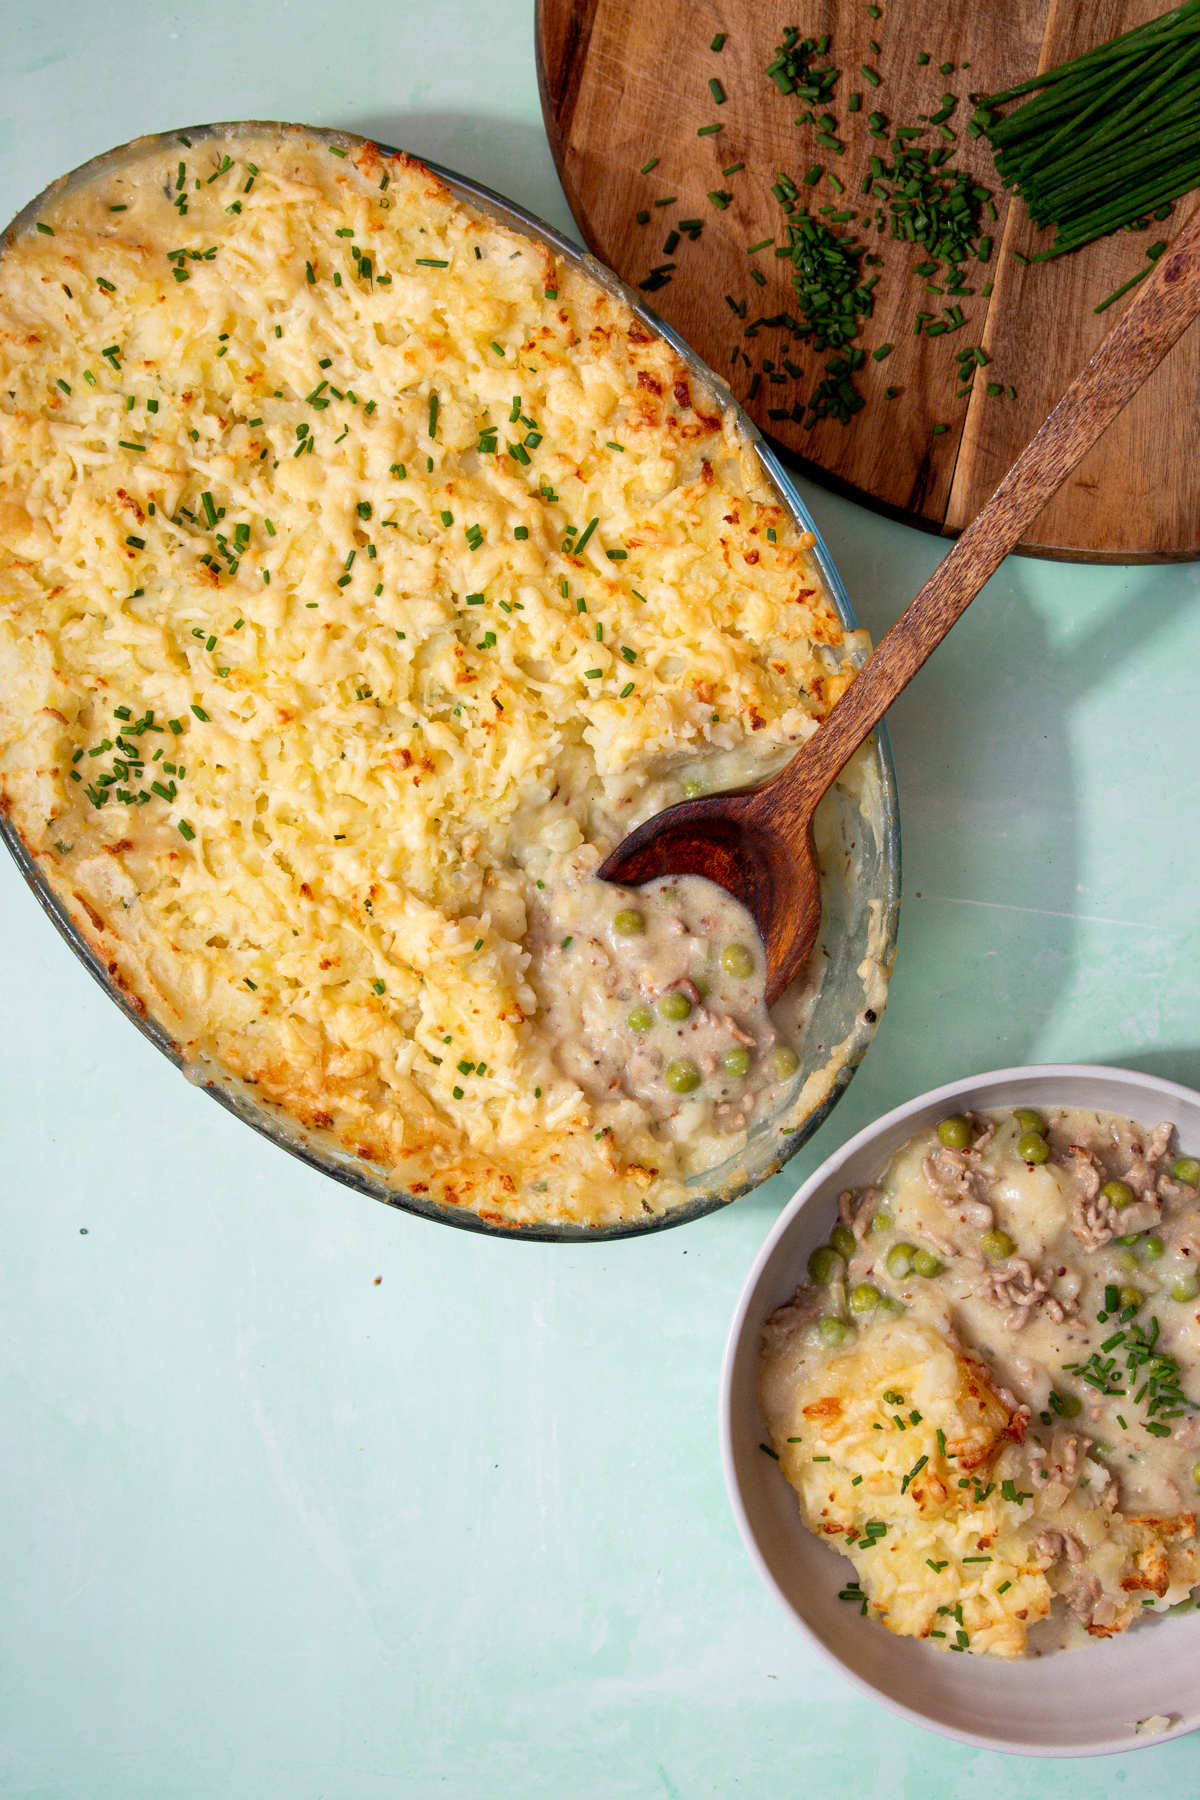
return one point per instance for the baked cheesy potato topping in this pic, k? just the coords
(360, 561)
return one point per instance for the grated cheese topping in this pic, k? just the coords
(360, 562)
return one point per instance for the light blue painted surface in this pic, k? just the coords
(272, 1531)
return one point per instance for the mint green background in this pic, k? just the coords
(267, 1530)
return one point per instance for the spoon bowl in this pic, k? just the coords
(734, 840)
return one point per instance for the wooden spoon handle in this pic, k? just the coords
(1164, 307)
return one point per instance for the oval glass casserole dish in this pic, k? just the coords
(368, 568)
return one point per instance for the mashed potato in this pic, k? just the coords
(360, 563)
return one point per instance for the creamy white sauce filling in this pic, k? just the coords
(653, 997)
(1061, 1268)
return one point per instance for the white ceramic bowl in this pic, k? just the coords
(1083, 1702)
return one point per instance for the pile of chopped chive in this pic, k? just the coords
(836, 396)
(1113, 137)
(828, 279)
(792, 72)
(930, 206)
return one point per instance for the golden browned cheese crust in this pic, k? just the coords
(312, 658)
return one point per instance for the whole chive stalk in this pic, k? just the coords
(1110, 136)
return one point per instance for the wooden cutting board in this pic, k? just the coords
(624, 81)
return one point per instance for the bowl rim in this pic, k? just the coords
(271, 1122)
(816, 1187)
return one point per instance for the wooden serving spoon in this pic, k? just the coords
(757, 842)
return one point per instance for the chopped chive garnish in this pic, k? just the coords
(652, 164)
(709, 130)
(718, 42)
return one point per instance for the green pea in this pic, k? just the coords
(1130, 1296)
(996, 1244)
(833, 1331)
(825, 1265)
(882, 1222)
(702, 987)
(675, 1006)
(1151, 1249)
(1067, 1406)
(843, 1240)
(784, 1062)
(926, 1264)
(1186, 1286)
(1032, 1147)
(682, 1076)
(1196, 1474)
(1187, 1169)
(629, 924)
(1127, 1262)
(1119, 1194)
(640, 1019)
(736, 1062)
(900, 1261)
(955, 1132)
(737, 960)
(692, 790)
(864, 1298)
(1030, 1121)
(1131, 1238)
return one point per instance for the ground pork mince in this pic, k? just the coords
(985, 1394)
(366, 574)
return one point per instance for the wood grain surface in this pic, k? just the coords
(623, 82)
